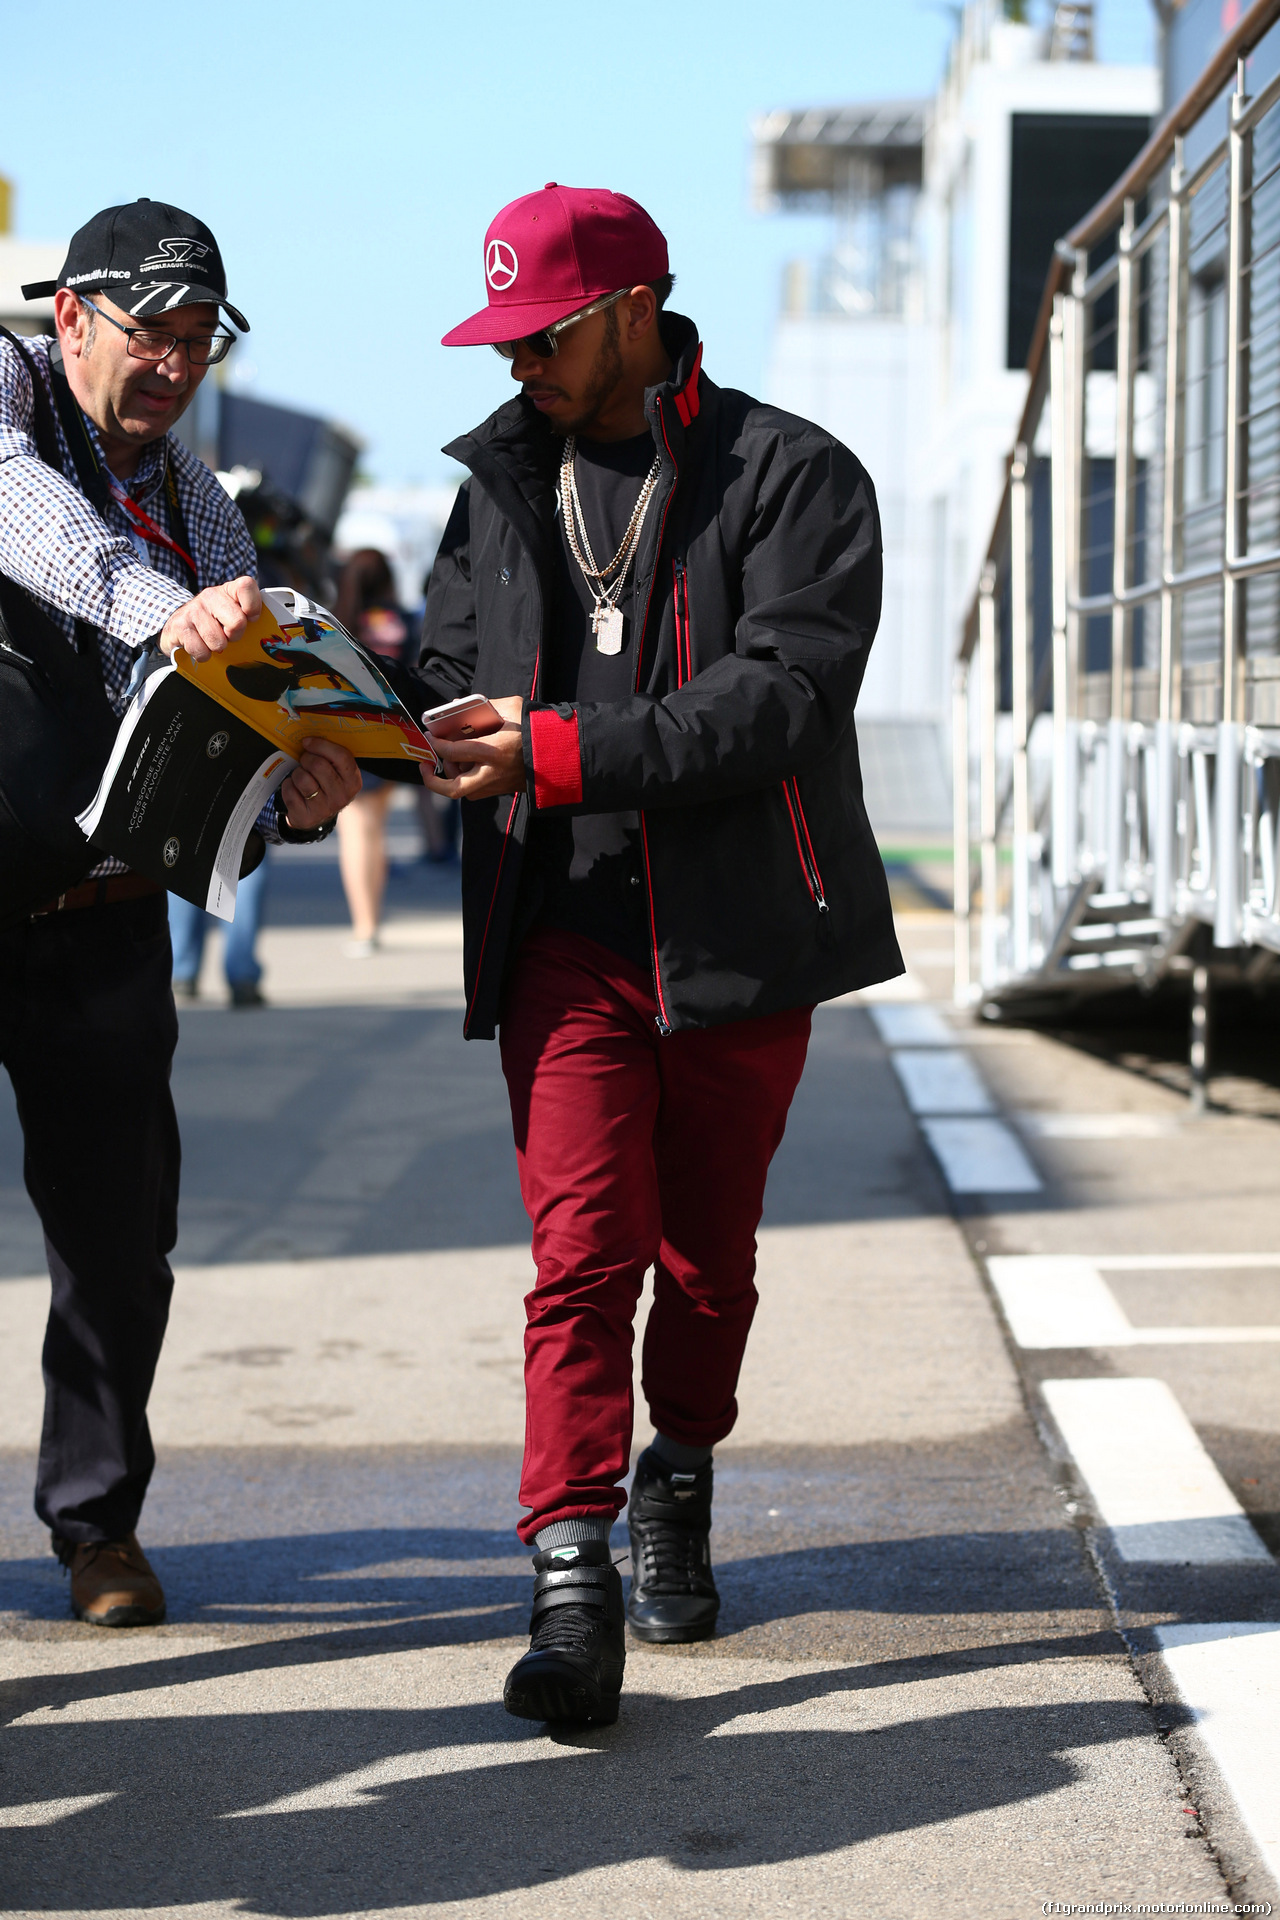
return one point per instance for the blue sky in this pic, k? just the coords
(349, 159)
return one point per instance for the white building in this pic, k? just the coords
(908, 339)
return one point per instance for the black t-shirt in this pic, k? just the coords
(590, 866)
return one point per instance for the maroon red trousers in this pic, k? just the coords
(635, 1151)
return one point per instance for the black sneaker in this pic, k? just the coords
(573, 1669)
(673, 1594)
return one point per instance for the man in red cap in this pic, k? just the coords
(669, 591)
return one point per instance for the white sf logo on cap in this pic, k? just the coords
(174, 253)
(500, 265)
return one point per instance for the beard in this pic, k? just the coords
(602, 381)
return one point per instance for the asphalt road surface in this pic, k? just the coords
(938, 1687)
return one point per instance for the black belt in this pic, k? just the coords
(106, 892)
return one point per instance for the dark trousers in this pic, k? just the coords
(634, 1152)
(87, 1033)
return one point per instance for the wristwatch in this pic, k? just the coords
(300, 836)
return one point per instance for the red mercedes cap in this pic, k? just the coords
(549, 253)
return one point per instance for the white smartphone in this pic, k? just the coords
(460, 720)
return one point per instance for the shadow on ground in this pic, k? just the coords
(458, 1586)
(1148, 1034)
(388, 1808)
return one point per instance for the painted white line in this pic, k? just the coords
(1229, 1675)
(940, 1080)
(980, 1156)
(1097, 1126)
(46, 1813)
(1151, 1481)
(1057, 1300)
(912, 1026)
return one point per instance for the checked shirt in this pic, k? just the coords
(82, 565)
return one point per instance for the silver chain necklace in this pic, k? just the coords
(605, 583)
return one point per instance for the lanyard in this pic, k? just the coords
(142, 521)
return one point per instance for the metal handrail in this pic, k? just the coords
(1164, 812)
(1245, 567)
(1108, 212)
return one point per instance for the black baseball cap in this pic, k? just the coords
(149, 257)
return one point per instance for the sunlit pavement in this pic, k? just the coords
(918, 1700)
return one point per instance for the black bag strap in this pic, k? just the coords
(46, 438)
(45, 435)
(76, 434)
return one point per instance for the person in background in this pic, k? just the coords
(188, 925)
(367, 608)
(440, 819)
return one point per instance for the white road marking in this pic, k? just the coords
(977, 1152)
(1229, 1675)
(912, 1026)
(940, 1080)
(1151, 1481)
(1062, 1300)
(1097, 1126)
(355, 1789)
(981, 1156)
(46, 1813)
(1054, 1301)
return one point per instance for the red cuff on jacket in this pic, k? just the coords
(557, 758)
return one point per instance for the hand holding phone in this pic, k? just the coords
(459, 720)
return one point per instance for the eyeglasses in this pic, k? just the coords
(545, 345)
(203, 349)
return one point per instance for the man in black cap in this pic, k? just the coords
(114, 536)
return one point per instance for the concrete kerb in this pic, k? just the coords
(1219, 1822)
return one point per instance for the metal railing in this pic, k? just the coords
(1117, 689)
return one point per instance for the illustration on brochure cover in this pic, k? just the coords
(295, 672)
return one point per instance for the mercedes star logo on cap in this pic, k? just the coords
(501, 265)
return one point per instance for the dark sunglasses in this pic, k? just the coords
(544, 345)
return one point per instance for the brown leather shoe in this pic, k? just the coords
(112, 1584)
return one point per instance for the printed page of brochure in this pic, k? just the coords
(184, 785)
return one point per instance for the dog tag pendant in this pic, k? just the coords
(607, 622)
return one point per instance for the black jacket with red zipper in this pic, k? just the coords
(759, 573)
